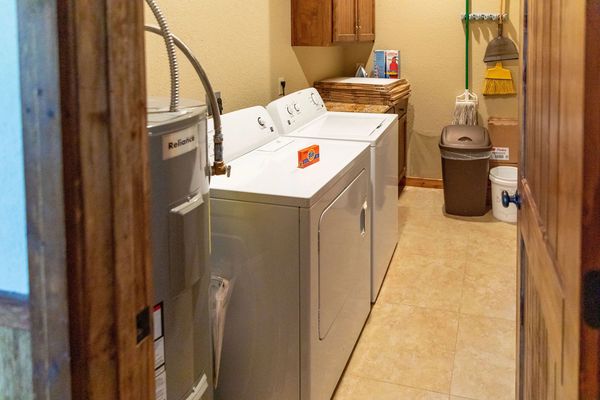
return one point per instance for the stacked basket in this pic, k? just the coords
(364, 90)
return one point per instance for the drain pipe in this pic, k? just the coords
(173, 66)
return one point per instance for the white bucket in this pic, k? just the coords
(504, 178)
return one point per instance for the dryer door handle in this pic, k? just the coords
(363, 219)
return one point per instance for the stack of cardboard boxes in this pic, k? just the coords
(506, 140)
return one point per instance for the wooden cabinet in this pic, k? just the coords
(345, 17)
(401, 109)
(327, 22)
(365, 20)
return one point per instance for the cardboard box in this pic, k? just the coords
(308, 156)
(386, 64)
(379, 64)
(392, 64)
(506, 139)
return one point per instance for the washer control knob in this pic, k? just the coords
(261, 121)
(296, 107)
(289, 110)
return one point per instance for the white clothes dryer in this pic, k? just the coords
(296, 243)
(303, 114)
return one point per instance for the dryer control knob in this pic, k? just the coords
(289, 110)
(261, 121)
(296, 107)
(313, 98)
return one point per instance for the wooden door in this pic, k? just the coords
(345, 23)
(556, 198)
(106, 197)
(366, 20)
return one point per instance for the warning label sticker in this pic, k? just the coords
(500, 153)
(159, 352)
(160, 370)
(160, 379)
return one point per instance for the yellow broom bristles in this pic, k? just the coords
(498, 87)
(498, 81)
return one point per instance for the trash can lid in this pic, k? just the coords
(465, 137)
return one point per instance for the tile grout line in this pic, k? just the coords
(462, 293)
(398, 384)
(466, 314)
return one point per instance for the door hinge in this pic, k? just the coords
(142, 324)
(591, 299)
(522, 311)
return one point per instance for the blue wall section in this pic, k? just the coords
(13, 229)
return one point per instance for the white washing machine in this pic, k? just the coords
(296, 244)
(303, 114)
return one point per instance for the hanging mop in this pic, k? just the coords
(465, 110)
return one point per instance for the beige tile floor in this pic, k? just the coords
(443, 326)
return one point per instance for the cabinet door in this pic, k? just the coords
(366, 20)
(312, 22)
(344, 20)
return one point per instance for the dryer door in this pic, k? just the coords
(344, 253)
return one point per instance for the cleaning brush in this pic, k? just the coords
(498, 81)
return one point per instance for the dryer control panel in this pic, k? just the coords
(295, 110)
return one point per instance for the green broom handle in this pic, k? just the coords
(467, 15)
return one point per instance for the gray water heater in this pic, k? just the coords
(180, 254)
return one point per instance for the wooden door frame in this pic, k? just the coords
(46, 241)
(87, 187)
(587, 194)
(103, 90)
(590, 338)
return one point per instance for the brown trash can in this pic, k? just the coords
(466, 152)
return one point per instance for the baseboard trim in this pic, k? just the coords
(14, 312)
(425, 183)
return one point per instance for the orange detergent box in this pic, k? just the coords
(308, 156)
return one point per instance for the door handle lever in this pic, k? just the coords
(363, 219)
(507, 199)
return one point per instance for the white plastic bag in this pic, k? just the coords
(220, 293)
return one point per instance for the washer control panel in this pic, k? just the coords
(243, 131)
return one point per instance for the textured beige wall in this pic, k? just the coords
(243, 45)
(431, 39)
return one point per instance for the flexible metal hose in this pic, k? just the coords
(171, 52)
(219, 167)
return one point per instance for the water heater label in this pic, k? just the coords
(160, 381)
(178, 143)
(160, 371)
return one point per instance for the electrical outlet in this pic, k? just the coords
(219, 100)
(282, 83)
